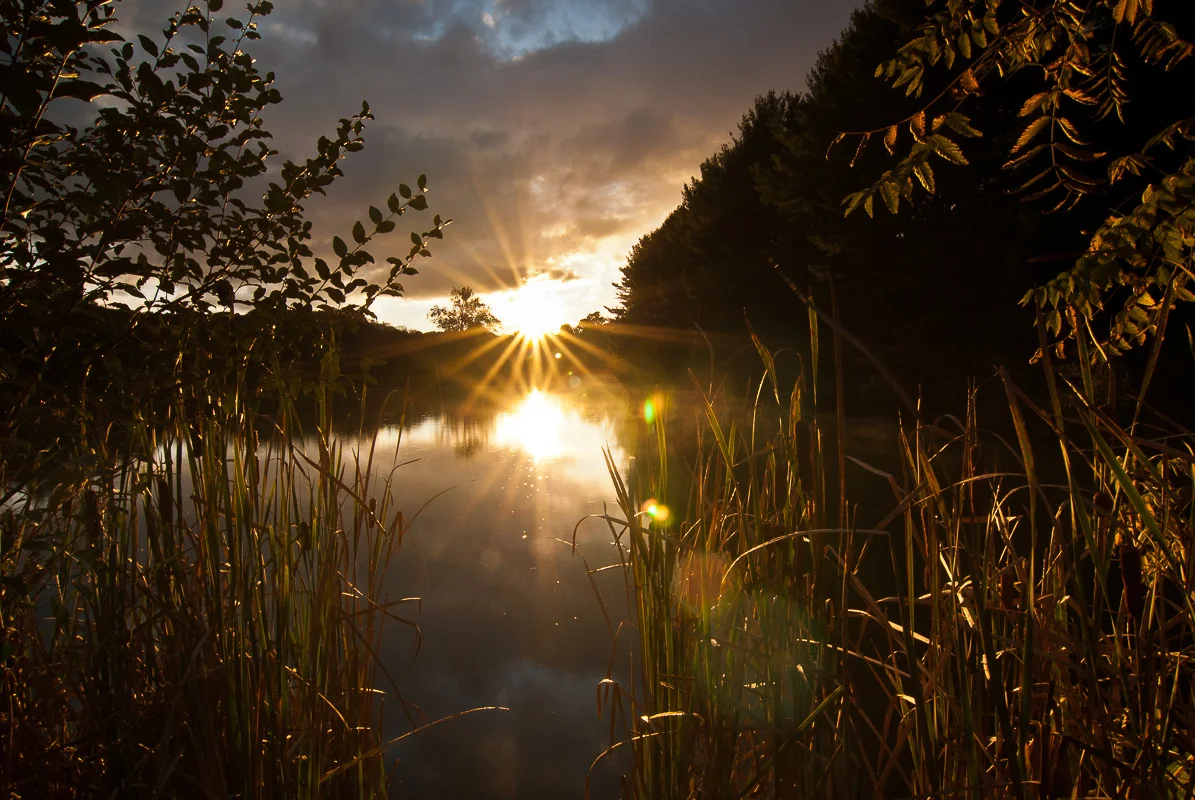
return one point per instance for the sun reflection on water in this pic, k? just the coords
(535, 426)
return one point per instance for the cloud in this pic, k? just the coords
(553, 132)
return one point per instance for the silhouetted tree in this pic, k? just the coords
(466, 312)
(145, 204)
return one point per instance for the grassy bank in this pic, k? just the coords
(1014, 621)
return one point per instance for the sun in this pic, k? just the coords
(534, 310)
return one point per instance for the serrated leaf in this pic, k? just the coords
(1033, 104)
(1024, 157)
(1071, 132)
(917, 125)
(925, 174)
(947, 149)
(961, 125)
(891, 197)
(852, 202)
(968, 82)
(1027, 135)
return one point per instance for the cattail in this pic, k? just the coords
(1010, 598)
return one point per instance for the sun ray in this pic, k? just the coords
(484, 383)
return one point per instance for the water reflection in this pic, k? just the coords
(508, 615)
(535, 426)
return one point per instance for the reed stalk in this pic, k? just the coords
(202, 617)
(1018, 623)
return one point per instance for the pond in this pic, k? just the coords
(508, 615)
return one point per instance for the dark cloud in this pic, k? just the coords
(554, 132)
(487, 139)
(559, 274)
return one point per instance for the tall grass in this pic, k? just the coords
(1018, 621)
(202, 618)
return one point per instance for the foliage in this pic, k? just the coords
(1012, 626)
(150, 202)
(1075, 65)
(679, 274)
(916, 288)
(467, 312)
(190, 590)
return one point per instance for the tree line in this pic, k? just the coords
(934, 171)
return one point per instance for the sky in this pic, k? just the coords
(554, 133)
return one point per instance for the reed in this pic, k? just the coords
(1018, 623)
(202, 617)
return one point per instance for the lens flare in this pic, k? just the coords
(657, 511)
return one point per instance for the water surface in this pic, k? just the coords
(508, 616)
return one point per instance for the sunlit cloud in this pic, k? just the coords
(554, 133)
